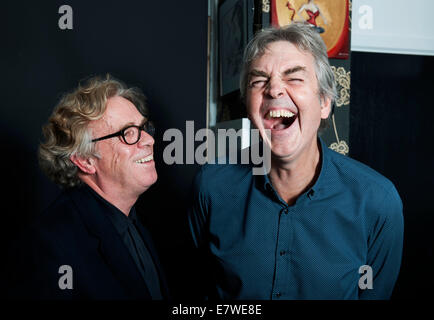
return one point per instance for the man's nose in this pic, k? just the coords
(146, 140)
(275, 88)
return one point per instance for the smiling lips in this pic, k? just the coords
(279, 119)
(146, 159)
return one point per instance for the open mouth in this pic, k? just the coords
(146, 159)
(279, 119)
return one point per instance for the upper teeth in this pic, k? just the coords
(280, 113)
(148, 158)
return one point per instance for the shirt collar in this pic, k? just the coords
(320, 184)
(116, 216)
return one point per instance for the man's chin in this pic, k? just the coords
(282, 151)
(280, 156)
(153, 180)
(149, 182)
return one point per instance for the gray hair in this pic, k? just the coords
(305, 38)
(67, 132)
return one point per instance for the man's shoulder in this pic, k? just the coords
(59, 220)
(359, 175)
(223, 175)
(225, 169)
(62, 207)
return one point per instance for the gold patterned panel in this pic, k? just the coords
(343, 81)
(340, 147)
(265, 5)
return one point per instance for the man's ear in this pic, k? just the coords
(86, 165)
(326, 104)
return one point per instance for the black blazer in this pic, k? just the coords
(75, 231)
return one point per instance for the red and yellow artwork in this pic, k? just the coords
(328, 17)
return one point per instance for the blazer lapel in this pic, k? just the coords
(112, 248)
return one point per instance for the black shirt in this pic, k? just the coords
(127, 227)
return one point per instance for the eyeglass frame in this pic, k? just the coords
(148, 127)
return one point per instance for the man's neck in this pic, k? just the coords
(120, 200)
(292, 178)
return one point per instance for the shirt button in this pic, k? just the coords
(277, 294)
(285, 211)
(282, 252)
(311, 193)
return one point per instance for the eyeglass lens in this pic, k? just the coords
(132, 134)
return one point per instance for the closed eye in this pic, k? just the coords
(258, 83)
(294, 79)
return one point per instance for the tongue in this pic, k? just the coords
(279, 124)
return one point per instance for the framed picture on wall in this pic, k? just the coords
(329, 18)
(235, 29)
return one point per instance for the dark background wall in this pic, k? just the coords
(159, 46)
(391, 130)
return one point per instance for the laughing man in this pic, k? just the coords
(319, 225)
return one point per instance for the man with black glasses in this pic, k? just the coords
(89, 243)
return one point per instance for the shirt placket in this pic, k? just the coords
(281, 285)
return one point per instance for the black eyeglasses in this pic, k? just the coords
(131, 134)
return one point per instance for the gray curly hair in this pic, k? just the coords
(67, 132)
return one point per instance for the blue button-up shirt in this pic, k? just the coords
(342, 239)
